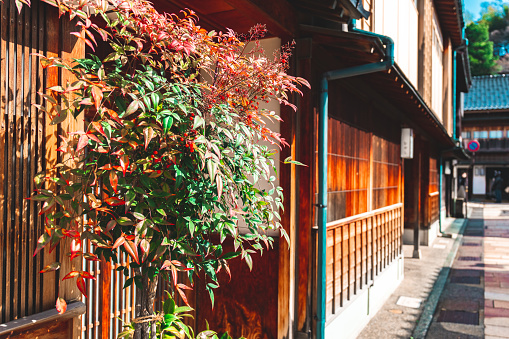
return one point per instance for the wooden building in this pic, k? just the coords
(374, 198)
(486, 119)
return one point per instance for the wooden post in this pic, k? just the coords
(417, 202)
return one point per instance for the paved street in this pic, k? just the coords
(470, 293)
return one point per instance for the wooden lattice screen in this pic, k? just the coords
(28, 145)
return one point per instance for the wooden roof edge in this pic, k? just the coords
(447, 140)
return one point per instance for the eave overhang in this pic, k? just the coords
(450, 15)
(341, 11)
(457, 152)
(280, 17)
(463, 71)
(354, 49)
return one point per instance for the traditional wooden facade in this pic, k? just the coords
(28, 145)
(374, 196)
(486, 120)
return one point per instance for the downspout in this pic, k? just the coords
(454, 112)
(441, 173)
(384, 65)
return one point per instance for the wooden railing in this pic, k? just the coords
(358, 249)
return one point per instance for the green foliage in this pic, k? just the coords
(170, 324)
(480, 50)
(169, 165)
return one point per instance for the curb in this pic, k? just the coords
(431, 303)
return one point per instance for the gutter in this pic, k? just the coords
(384, 65)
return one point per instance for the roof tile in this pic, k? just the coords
(488, 92)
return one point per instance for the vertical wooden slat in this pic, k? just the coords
(32, 140)
(345, 262)
(104, 297)
(25, 180)
(40, 147)
(3, 95)
(51, 140)
(9, 144)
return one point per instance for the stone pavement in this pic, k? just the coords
(462, 283)
(400, 314)
(475, 301)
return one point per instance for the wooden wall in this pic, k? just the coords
(364, 210)
(28, 144)
(364, 171)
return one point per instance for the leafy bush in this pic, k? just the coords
(172, 152)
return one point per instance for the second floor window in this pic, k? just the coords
(496, 134)
(480, 134)
(465, 134)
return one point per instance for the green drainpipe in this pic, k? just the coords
(322, 163)
(441, 172)
(454, 113)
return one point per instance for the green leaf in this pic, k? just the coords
(198, 121)
(167, 123)
(290, 161)
(124, 221)
(169, 306)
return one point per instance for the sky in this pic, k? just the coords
(474, 7)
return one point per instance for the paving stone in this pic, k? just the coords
(501, 304)
(496, 312)
(496, 293)
(497, 321)
(499, 331)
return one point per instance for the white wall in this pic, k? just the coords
(398, 19)
(479, 181)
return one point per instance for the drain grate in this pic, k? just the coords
(458, 317)
(466, 280)
(469, 258)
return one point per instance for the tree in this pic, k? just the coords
(169, 162)
(480, 49)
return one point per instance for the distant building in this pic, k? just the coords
(486, 119)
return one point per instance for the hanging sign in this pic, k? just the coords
(473, 146)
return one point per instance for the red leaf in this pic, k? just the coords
(97, 94)
(71, 274)
(82, 286)
(110, 225)
(182, 295)
(43, 241)
(124, 163)
(113, 201)
(114, 180)
(118, 242)
(92, 257)
(93, 137)
(51, 267)
(131, 248)
(133, 107)
(114, 115)
(99, 128)
(148, 132)
(48, 204)
(82, 142)
(61, 305)
(87, 275)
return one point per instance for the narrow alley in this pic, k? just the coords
(459, 288)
